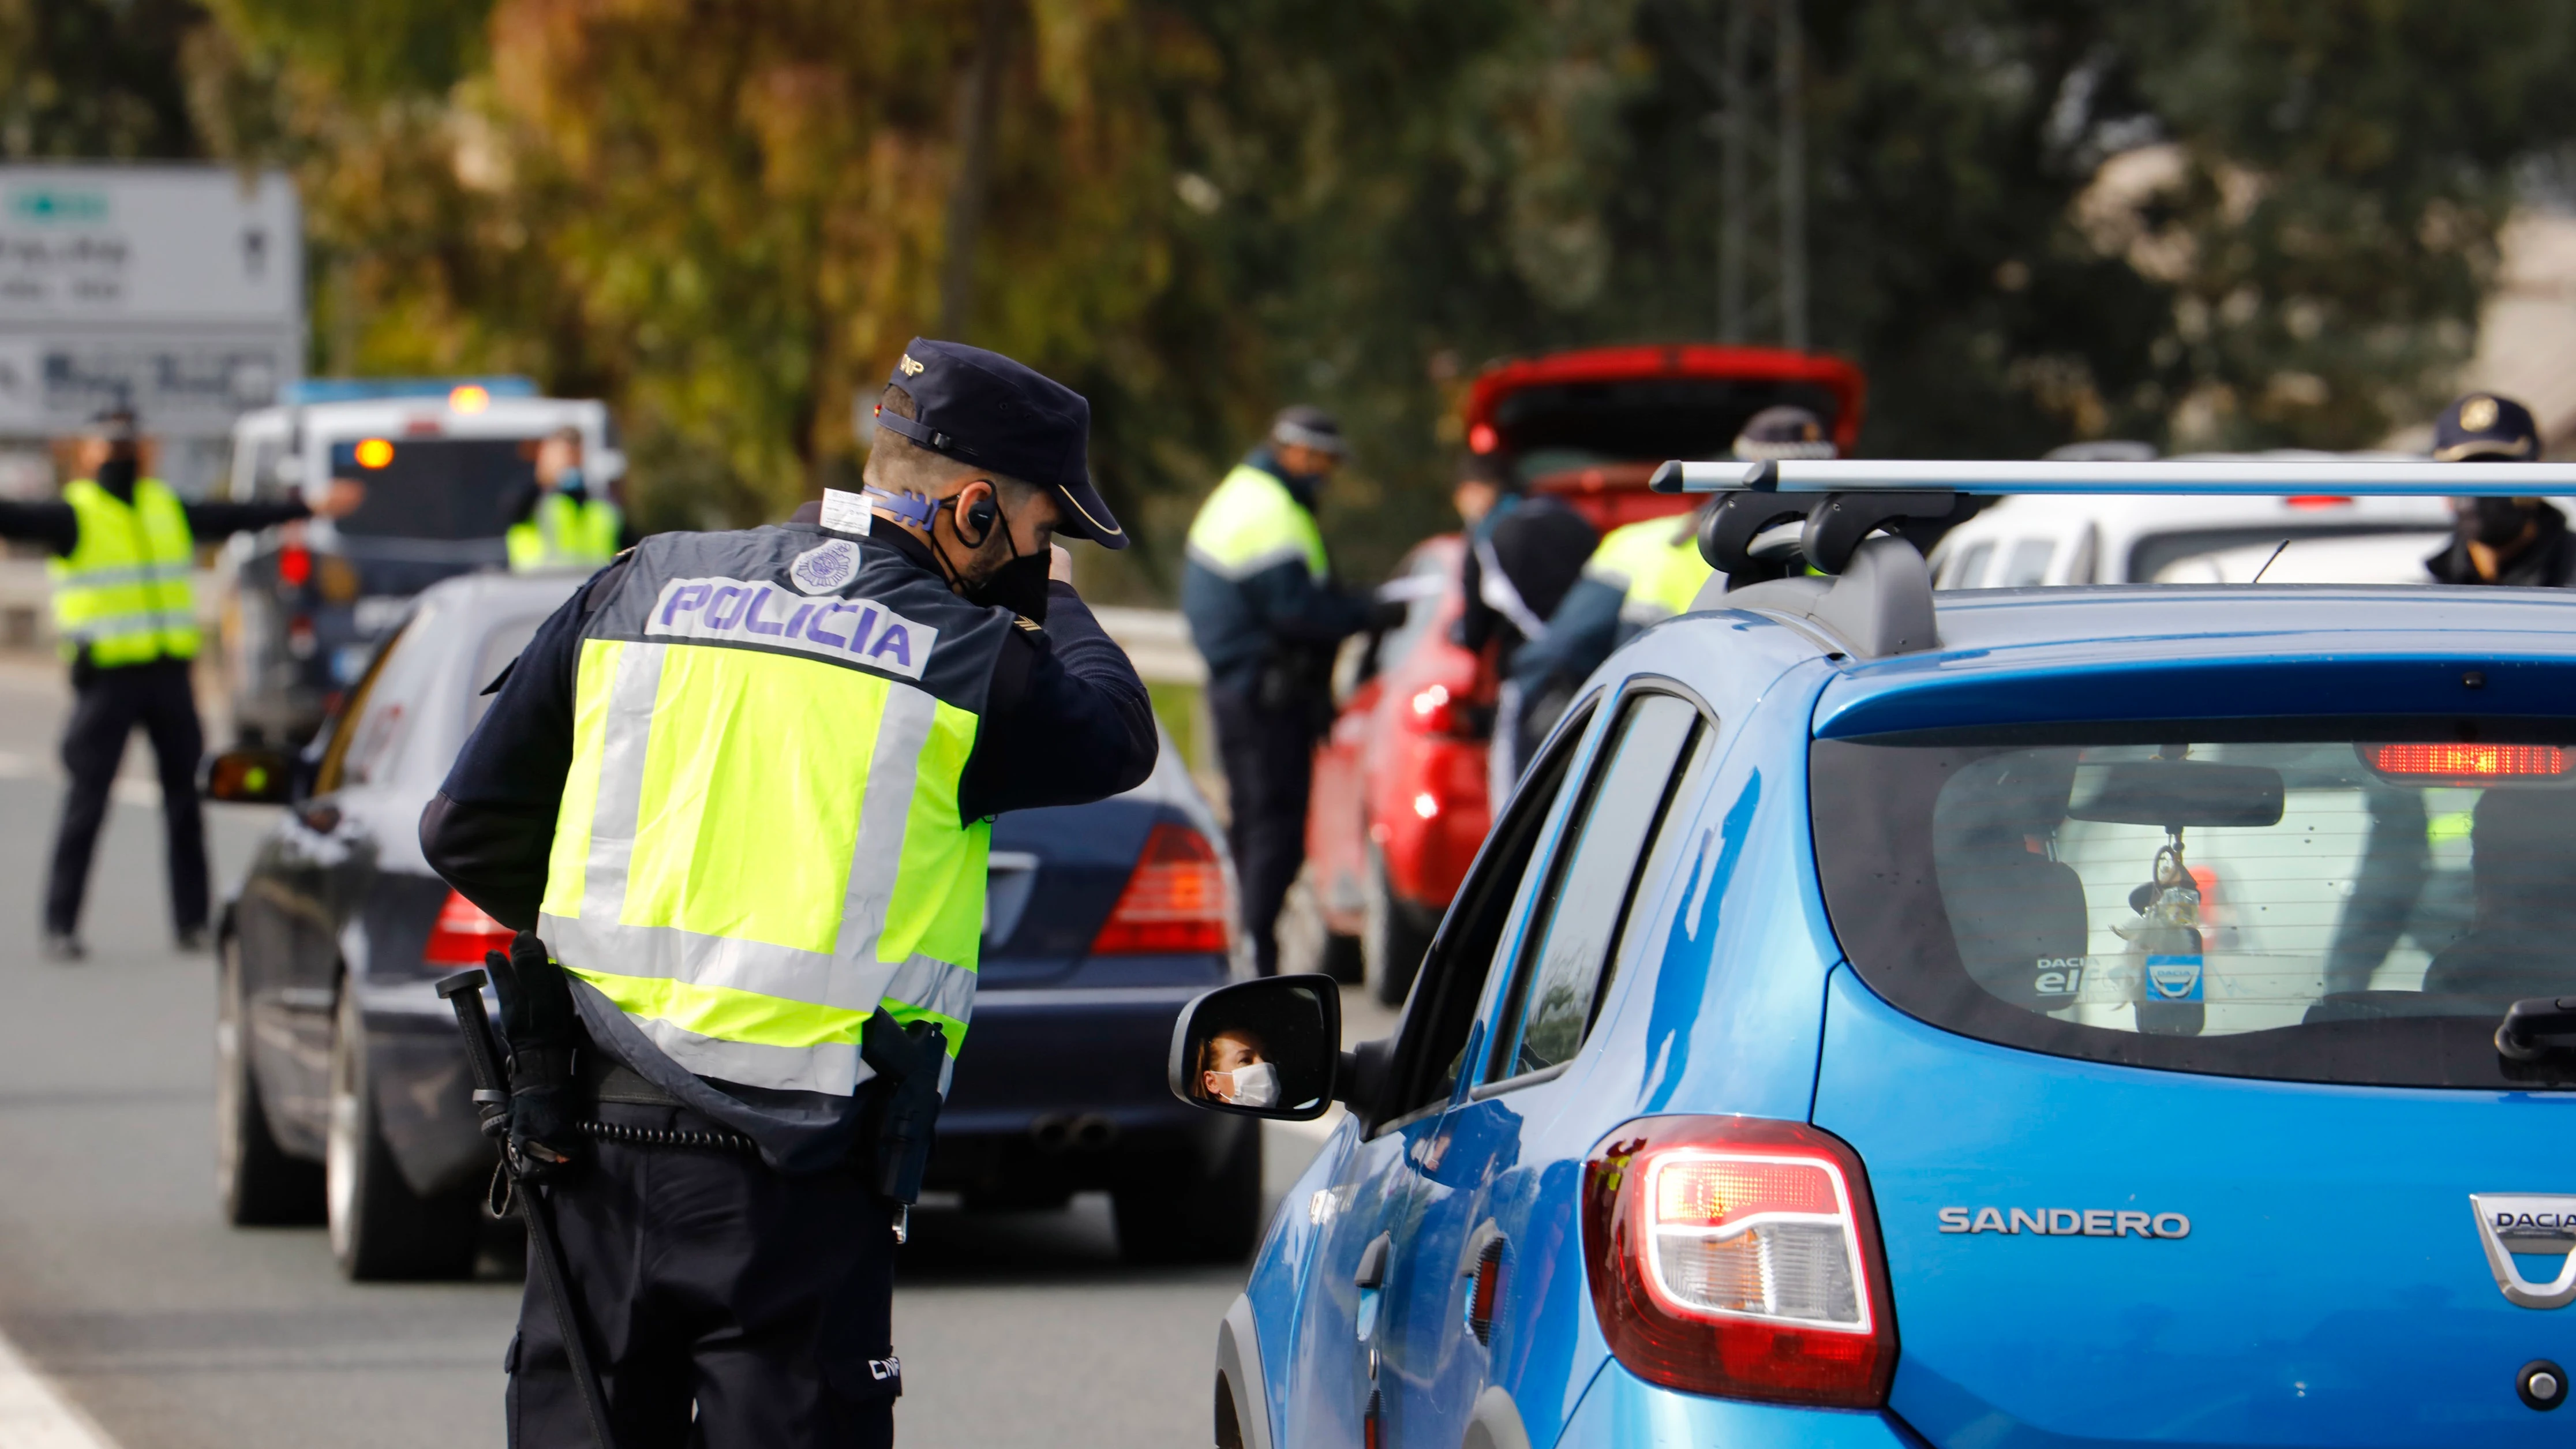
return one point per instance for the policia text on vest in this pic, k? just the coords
(742, 785)
(125, 617)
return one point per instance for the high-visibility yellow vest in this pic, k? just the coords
(1655, 563)
(1252, 522)
(759, 842)
(127, 592)
(564, 534)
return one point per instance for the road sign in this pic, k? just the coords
(178, 290)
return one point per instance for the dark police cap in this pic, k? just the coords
(2483, 425)
(987, 411)
(1782, 432)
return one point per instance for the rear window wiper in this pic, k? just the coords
(2537, 1028)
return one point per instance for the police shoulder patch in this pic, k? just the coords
(824, 568)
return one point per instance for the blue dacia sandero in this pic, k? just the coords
(2056, 1017)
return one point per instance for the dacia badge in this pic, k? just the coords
(2540, 1224)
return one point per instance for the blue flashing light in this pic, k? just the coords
(386, 389)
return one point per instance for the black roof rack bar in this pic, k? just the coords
(2256, 478)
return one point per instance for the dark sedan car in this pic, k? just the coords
(341, 1084)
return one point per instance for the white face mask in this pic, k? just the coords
(1256, 1085)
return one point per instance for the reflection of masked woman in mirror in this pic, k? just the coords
(1231, 1070)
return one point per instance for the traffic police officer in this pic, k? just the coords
(1643, 573)
(1257, 589)
(125, 617)
(741, 785)
(562, 523)
(2512, 541)
(2500, 541)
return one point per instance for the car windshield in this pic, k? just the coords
(1560, 427)
(2359, 907)
(436, 488)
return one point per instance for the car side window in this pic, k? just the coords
(1565, 960)
(1432, 1045)
(358, 727)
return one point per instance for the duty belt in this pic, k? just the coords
(605, 1079)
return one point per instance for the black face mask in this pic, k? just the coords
(2496, 522)
(1019, 586)
(116, 475)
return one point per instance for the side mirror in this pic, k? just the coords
(248, 775)
(1269, 1048)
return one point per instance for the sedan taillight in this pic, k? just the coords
(1175, 902)
(463, 933)
(1740, 1256)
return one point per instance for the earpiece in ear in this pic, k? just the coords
(980, 515)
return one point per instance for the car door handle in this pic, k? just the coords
(1372, 1269)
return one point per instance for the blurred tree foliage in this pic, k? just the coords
(94, 78)
(2208, 223)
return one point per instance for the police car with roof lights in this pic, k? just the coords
(448, 463)
(2044, 1017)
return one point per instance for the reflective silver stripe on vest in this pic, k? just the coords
(884, 813)
(836, 1070)
(626, 736)
(160, 573)
(118, 626)
(669, 953)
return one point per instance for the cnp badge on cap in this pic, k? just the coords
(2483, 425)
(987, 411)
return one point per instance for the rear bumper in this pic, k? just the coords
(424, 1091)
(1621, 1409)
(1064, 1089)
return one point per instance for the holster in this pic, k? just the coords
(908, 1061)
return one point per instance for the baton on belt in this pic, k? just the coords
(464, 991)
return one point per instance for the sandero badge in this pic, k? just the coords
(2065, 1222)
(2511, 1223)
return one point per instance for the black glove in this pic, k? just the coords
(539, 1029)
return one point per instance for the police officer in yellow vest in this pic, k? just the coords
(125, 617)
(741, 788)
(565, 521)
(1643, 573)
(1258, 591)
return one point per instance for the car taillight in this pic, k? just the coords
(1739, 1256)
(1175, 900)
(463, 933)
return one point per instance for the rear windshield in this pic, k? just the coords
(2355, 904)
(438, 488)
(1560, 427)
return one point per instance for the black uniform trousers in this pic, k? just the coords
(107, 705)
(1269, 760)
(727, 1305)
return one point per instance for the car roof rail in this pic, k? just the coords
(1879, 600)
(2251, 477)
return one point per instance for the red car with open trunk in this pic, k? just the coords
(1401, 800)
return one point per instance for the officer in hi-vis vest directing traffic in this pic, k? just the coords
(740, 788)
(124, 572)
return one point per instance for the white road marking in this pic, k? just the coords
(127, 790)
(35, 1414)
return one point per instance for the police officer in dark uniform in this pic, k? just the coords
(125, 617)
(741, 787)
(2500, 541)
(2511, 541)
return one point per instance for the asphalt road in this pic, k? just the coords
(173, 1331)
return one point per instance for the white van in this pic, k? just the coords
(2128, 538)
